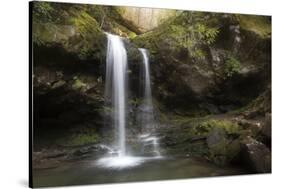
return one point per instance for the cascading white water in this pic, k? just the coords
(147, 85)
(116, 97)
(147, 111)
(116, 87)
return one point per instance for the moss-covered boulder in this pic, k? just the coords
(217, 140)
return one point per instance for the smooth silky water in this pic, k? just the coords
(116, 93)
(90, 172)
(116, 88)
(147, 120)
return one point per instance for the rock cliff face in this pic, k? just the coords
(202, 64)
(214, 77)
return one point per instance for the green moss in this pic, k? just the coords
(79, 136)
(209, 125)
(78, 84)
(69, 25)
(226, 148)
(132, 35)
(110, 19)
(261, 25)
(85, 24)
(79, 139)
(224, 151)
(217, 140)
(82, 139)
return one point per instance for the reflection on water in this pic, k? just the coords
(90, 172)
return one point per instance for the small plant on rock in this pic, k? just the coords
(232, 66)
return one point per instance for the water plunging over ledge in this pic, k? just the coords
(147, 120)
(116, 95)
(116, 91)
(116, 88)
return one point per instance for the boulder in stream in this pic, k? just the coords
(256, 155)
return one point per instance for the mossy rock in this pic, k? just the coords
(222, 150)
(223, 140)
(79, 137)
(74, 29)
(215, 139)
(83, 139)
(78, 84)
(260, 25)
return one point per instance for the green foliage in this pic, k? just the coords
(97, 12)
(193, 37)
(208, 35)
(232, 66)
(85, 52)
(42, 11)
(189, 31)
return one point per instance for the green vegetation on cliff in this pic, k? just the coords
(258, 24)
(180, 33)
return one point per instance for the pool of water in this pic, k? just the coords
(147, 169)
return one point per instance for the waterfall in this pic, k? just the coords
(116, 87)
(147, 120)
(146, 108)
(116, 97)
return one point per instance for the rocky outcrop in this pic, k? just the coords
(256, 155)
(53, 158)
(67, 76)
(266, 130)
(222, 74)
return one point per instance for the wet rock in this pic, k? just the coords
(83, 151)
(266, 129)
(47, 159)
(91, 151)
(211, 108)
(236, 38)
(222, 150)
(215, 137)
(56, 154)
(226, 108)
(256, 155)
(44, 164)
(254, 126)
(58, 84)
